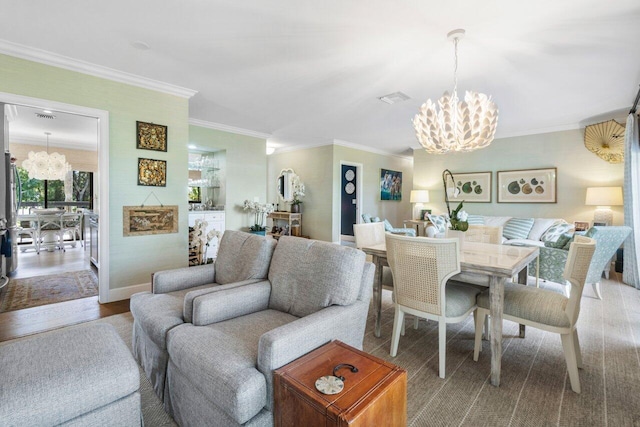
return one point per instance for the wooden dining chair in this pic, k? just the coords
(421, 267)
(547, 310)
(49, 224)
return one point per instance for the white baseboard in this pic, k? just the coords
(119, 294)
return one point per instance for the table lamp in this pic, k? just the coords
(419, 197)
(603, 198)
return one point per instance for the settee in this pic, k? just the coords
(220, 365)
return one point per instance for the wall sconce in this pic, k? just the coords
(419, 197)
(603, 198)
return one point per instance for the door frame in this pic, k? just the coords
(359, 167)
(103, 173)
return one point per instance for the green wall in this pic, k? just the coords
(319, 168)
(577, 169)
(246, 170)
(132, 259)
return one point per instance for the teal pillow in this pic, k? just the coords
(387, 225)
(517, 228)
(589, 233)
(555, 231)
(439, 221)
(475, 220)
(563, 240)
(366, 218)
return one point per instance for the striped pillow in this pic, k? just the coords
(517, 228)
(475, 220)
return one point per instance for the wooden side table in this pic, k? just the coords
(293, 220)
(375, 395)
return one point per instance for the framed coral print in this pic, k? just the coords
(152, 172)
(527, 186)
(151, 136)
(145, 220)
(473, 187)
(390, 185)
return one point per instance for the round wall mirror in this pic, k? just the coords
(285, 184)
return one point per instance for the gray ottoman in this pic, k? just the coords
(83, 376)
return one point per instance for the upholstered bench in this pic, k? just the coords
(81, 376)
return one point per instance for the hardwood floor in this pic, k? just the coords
(19, 323)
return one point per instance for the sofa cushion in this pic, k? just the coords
(563, 240)
(496, 221)
(517, 228)
(540, 225)
(366, 218)
(475, 219)
(308, 275)
(439, 221)
(243, 256)
(556, 230)
(226, 374)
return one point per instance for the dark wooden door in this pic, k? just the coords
(348, 199)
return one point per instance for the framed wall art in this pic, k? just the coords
(152, 172)
(473, 187)
(145, 220)
(151, 136)
(390, 185)
(527, 186)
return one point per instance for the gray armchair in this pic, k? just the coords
(608, 240)
(243, 258)
(221, 366)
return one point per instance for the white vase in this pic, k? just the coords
(456, 234)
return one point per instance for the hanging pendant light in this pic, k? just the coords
(458, 126)
(45, 166)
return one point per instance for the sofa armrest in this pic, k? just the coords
(182, 278)
(288, 342)
(236, 301)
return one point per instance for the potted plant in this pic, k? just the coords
(298, 192)
(458, 219)
(259, 210)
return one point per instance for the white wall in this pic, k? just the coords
(577, 169)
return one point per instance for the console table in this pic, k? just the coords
(292, 220)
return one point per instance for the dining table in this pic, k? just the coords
(484, 264)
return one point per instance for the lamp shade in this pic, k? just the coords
(604, 196)
(419, 196)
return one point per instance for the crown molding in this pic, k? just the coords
(230, 129)
(60, 61)
(538, 131)
(360, 147)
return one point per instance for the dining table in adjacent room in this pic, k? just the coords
(480, 263)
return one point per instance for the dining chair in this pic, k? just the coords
(421, 267)
(72, 225)
(49, 224)
(483, 234)
(371, 234)
(547, 310)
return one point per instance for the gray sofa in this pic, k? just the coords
(243, 258)
(220, 366)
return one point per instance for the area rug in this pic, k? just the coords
(41, 290)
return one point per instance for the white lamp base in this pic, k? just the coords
(603, 215)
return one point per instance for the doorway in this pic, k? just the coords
(100, 126)
(350, 197)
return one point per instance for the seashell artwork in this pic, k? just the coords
(526, 189)
(527, 186)
(514, 187)
(539, 190)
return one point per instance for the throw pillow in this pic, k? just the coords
(517, 228)
(387, 225)
(439, 221)
(563, 240)
(540, 225)
(475, 220)
(589, 233)
(375, 219)
(366, 218)
(555, 231)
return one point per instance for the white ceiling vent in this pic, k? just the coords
(45, 116)
(392, 98)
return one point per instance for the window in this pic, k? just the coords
(37, 193)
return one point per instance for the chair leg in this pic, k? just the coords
(479, 316)
(596, 289)
(576, 345)
(416, 320)
(487, 327)
(568, 344)
(442, 345)
(398, 322)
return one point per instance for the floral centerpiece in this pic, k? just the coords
(259, 210)
(458, 219)
(298, 192)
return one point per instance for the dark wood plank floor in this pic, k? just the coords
(19, 323)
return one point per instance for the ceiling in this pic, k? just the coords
(311, 72)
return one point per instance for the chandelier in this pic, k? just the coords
(45, 166)
(458, 126)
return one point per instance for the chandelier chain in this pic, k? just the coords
(455, 66)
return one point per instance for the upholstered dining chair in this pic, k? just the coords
(421, 267)
(547, 310)
(483, 234)
(371, 234)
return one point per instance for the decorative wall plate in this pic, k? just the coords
(606, 140)
(349, 188)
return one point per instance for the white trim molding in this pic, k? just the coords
(230, 129)
(61, 61)
(119, 294)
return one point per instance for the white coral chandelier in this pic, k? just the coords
(458, 126)
(42, 165)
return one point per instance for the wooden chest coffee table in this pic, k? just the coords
(375, 395)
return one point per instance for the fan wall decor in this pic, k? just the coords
(606, 140)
